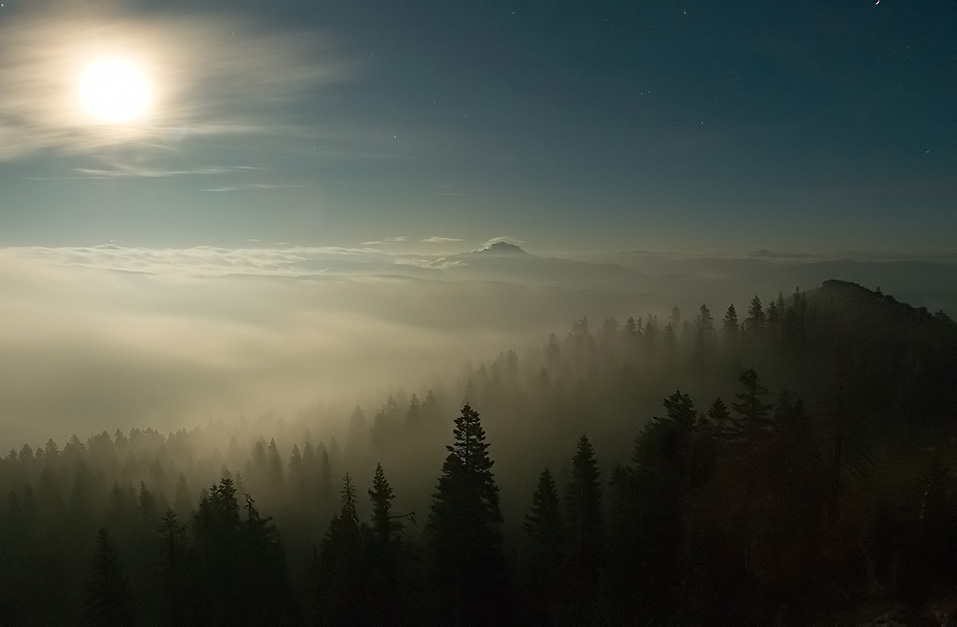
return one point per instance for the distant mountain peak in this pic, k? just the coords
(503, 248)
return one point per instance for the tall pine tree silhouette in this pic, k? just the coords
(173, 567)
(109, 600)
(342, 565)
(729, 327)
(464, 529)
(544, 521)
(545, 526)
(383, 553)
(585, 532)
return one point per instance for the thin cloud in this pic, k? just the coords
(248, 187)
(435, 239)
(133, 171)
(205, 261)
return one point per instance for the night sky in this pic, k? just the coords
(569, 126)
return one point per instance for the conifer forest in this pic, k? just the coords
(789, 462)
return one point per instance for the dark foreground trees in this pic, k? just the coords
(109, 600)
(464, 531)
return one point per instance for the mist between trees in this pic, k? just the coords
(788, 462)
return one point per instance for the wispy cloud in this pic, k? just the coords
(248, 187)
(208, 261)
(126, 170)
(435, 239)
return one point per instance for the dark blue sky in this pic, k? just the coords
(693, 126)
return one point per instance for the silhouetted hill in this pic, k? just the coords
(898, 361)
(856, 300)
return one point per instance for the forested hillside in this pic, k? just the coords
(786, 462)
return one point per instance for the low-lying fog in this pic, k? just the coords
(107, 337)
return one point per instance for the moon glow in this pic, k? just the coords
(115, 91)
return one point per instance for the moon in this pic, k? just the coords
(115, 91)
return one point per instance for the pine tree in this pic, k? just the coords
(651, 336)
(147, 503)
(585, 532)
(756, 321)
(729, 327)
(753, 412)
(173, 544)
(109, 600)
(326, 494)
(544, 522)
(182, 500)
(216, 541)
(274, 468)
(544, 525)
(432, 415)
(358, 431)
(342, 571)
(704, 332)
(681, 411)
(750, 449)
(297, 478)
(464, 527)
(264, 585)
(384, 526)
(720, 420)
(413, 415)
(384, 577)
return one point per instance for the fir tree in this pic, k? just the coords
(585, 532)
(264, 582)
(704, 332)
(720, 421)
(756, 321)
(729, 326)
(297, 478)
(173, 544)
(216, 555)
(325, 475)
(274, 467)
(342, 572)
(109, 600)
(751, 409)
(182, 500)
(384, 526)
(464, 527)
(544, 522)
(383, 553)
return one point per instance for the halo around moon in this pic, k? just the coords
(115, 91)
